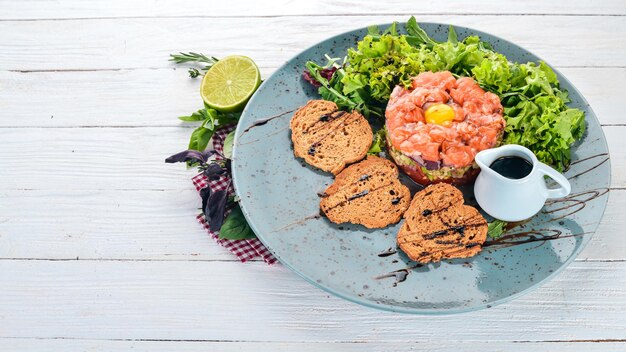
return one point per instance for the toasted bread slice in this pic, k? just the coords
(327, 138)
(367, 193)
(438, 226)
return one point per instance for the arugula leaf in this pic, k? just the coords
(416, 31)
(328, 91)
(452, 38)
(373, 30)
(496, 228)
(392, 29)
(235, 226)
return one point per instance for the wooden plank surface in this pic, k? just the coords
(146, 42)
(33, 9)
(108, 225)
(441, 345)
(174, 300)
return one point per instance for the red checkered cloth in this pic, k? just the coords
(244, 249)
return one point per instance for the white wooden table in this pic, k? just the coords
(99, 249)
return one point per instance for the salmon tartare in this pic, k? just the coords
(436, 128)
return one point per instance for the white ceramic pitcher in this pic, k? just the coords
(515, 199)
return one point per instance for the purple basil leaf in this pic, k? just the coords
(216, 208)
(213, 171)
(209, 153)
(205, 193)
(187, 155)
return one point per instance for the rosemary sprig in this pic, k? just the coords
(193, 72)
(181, 58)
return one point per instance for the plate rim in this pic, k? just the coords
(406, 310)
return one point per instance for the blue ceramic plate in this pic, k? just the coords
(279, 198)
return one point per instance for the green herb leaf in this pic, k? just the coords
(496, 228)
(379, 143)
(211, 121)
(235, 227)
(193, 72)
(452, 38)
(199, 115)
(416, 31)
(228, 145)
(373, 30)
(200, 138)
(330, 92)
(392, 29)
(228, 118)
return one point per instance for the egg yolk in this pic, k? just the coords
(440, 114)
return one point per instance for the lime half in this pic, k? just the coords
(229, 84)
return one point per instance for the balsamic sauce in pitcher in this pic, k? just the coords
(513, 167)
